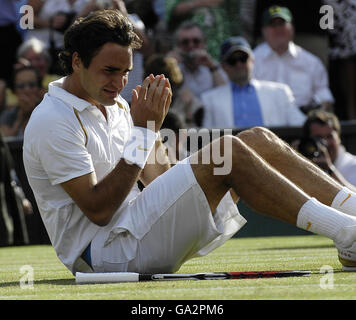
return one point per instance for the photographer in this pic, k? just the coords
(321, 143)
(200, 71)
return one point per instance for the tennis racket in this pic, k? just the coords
(112, 277)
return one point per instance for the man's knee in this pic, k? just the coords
(257, 135)
(262, 140)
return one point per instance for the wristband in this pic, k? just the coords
(139, 146)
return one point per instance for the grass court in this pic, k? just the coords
(52, 281)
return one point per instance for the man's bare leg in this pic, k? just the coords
(268, 191)
(260, 185)
(314, 181)
(302, 172)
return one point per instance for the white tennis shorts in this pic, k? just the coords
(172, 223)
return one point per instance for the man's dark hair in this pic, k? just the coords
(323, 118)
(86, 36)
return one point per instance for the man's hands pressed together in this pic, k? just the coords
(151, 101)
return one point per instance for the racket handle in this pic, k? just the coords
(107, 277)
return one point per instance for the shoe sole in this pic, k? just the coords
(347, 265)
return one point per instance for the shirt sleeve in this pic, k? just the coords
(63, 153)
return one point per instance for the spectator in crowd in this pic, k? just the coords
(342, 57)
(247, 102)
(10, 38)
(27, 88)
(280, 59)
(210, 15)
(34, 51)
(184, 103)
(324, 127)
(200, 71)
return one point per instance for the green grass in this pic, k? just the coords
(52, 281)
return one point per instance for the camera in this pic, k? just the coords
(310, 147)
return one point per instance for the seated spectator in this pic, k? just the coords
(34, 51)
(280, 59)
(328, 153)
(27, 88)
(216, 17)
(200, 71)
(245, 102)
(184, 103)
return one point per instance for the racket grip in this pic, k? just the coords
(107, 277)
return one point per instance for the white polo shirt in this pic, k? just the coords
(301, 70)
(59, 146)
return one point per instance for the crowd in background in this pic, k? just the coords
(184, 39)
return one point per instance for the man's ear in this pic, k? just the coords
(76, 62)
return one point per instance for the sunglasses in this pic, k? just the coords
(23, 85)
(234, 59)
(185, 42)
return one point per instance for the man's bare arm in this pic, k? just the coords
(100, 200)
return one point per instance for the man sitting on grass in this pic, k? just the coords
(85, 150)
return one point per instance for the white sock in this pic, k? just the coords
(345, 201)
(323, 220)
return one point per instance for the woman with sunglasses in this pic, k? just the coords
(26, 85)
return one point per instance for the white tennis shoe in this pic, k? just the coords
(347, 248)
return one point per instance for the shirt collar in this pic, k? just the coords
(55, 89)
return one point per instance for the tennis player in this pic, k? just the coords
(85, 149)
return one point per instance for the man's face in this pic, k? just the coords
(238, 66)
(27, 90)
(278, 33)
(106, 75)
(190, 39)
(326, 132)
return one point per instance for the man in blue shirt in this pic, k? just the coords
(246, 102)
